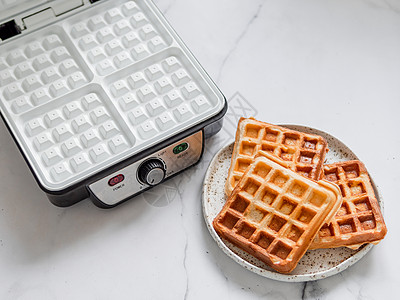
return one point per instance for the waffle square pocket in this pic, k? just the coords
(359, 220)
(274, 213)
(302, 152)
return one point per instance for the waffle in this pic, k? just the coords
(359, 219)
(302, 152)
(274, 213)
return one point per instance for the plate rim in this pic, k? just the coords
(274, 274)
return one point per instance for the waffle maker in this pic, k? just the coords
(103, 98)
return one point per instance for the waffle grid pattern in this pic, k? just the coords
(159, 98)
(37, 73)
(116, 38)
(118, 51)
(273, 213)
(75, 136)
(359, 219)
(303, 153)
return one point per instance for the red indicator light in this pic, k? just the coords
(115, 180)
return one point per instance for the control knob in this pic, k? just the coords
(152, 171)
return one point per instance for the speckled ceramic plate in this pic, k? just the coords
(315, 264)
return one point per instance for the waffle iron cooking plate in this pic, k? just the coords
(103, 98)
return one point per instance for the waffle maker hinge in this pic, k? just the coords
(49, 13)
(41, 15)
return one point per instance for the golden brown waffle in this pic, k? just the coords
(274, 213)
(304, 153)
(359, 219)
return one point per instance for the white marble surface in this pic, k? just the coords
(333, 65)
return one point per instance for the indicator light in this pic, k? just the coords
(180, 148)
(116, 179)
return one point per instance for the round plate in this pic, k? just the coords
(315, 264)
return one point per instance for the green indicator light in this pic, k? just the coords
(180, 148)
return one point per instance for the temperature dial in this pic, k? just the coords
(152, 171)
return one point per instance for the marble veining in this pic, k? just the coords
(391, 5)
(239, 39)
(169, 6)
